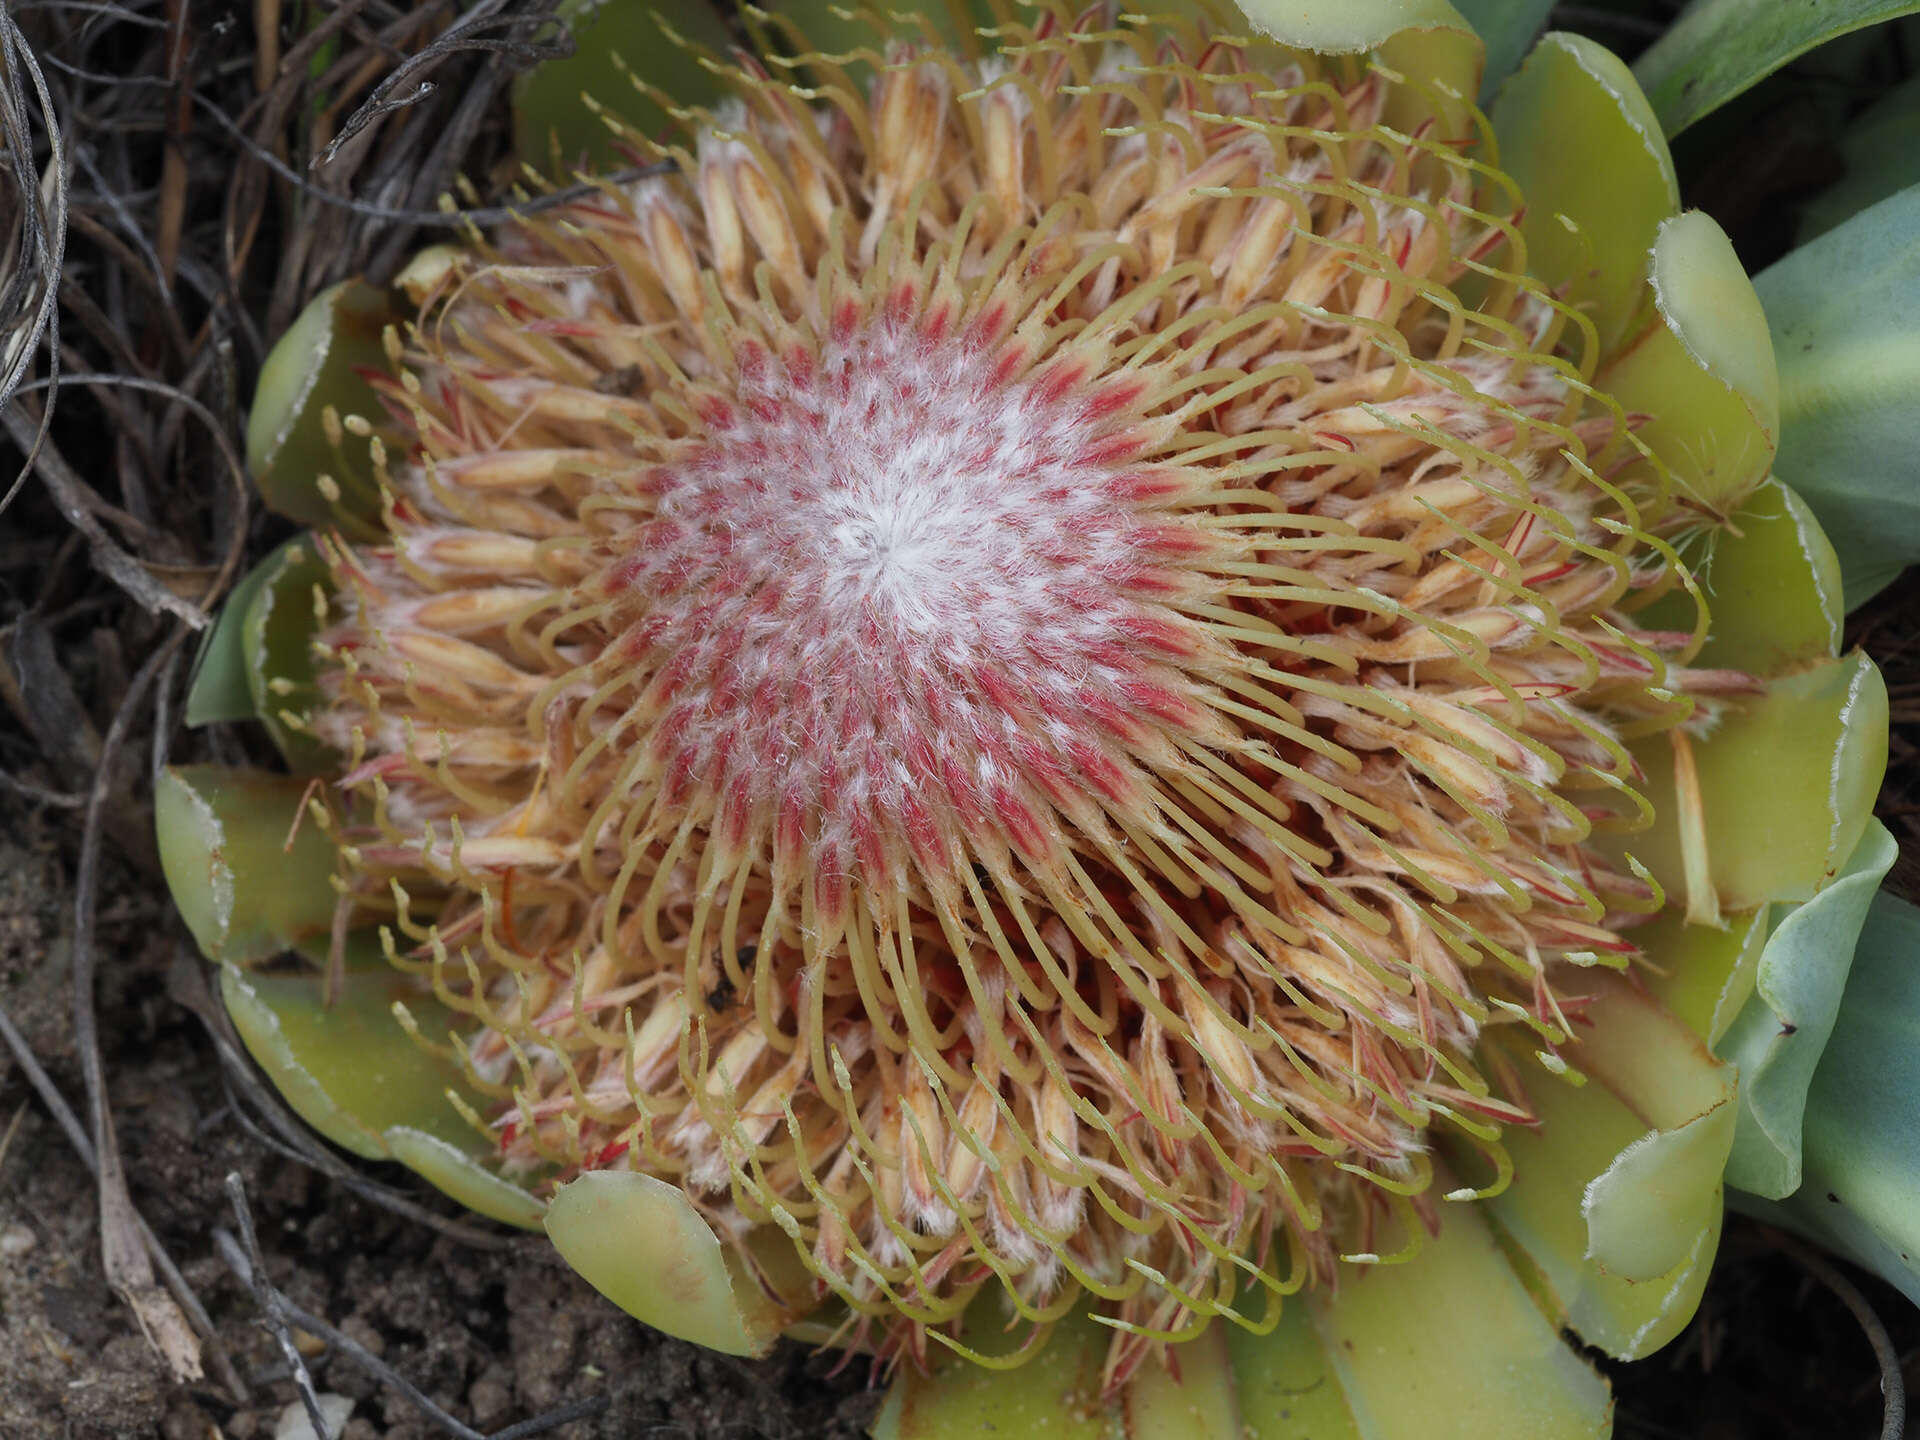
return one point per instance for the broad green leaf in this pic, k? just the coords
(1616, 1196)
(1702, 974)
(1508, 28)
(1054, 1396)
(304, 467)
(1719, 48)
(639, 1242)
(1576, 136)
(1701, 366)
(1786, 781)
(249, 872)
(1352, 26)
(1845, 313)
(349, 1069)
(557, 132)
(1645, 1211)
(1861, 1155)
(1285, 1383)
(1451, 1346)
(1881, 151)
(1782, 1031)
(1198, 1403)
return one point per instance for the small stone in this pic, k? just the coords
(364, 1335)
(294, 1424)
(490, 1402)
(17, 1240)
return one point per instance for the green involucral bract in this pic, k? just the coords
(1687, 1072)
(306, 463)
(250, 871)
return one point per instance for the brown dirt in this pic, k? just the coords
(492, 1336)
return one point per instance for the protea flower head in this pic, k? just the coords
(1046, 669)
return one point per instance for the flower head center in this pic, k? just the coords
(905, 561)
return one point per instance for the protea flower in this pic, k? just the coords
(1097, 691)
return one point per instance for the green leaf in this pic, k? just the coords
(349, 1069)
(1052, 1397)
(1451, 1345)
(304, 468)
(1772, 585)
(1845, 315)
(1352, 26)
(1861, 1152)
(220, 690)
(1783, 1030)
(1773, 582)
(257, 663)
(1646, 1210)
(1882, 154)
(1286, 1385)
(248, 880)
(1703, 974)
(1427, 41)
(1616, 1196)
(1508, 28)
(1198, 1403)
(556, 132)
(1819, 739)
(1719, 48)
(454, 1171)
(1702, 368)
(1577, 137)
(276, 637)
(639, 1242)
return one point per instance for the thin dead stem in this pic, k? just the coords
(243, 1257)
